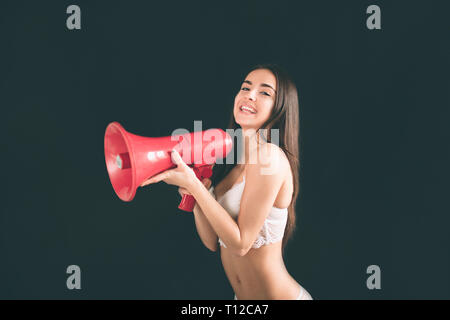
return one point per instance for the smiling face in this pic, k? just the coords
(255, 100)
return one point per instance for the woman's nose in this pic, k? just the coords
(252, 95)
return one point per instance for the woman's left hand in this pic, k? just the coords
(182, 176)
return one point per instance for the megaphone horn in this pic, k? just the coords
(132, 159)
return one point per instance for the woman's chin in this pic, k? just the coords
(245, 121)
(242, 122)
(248, 125)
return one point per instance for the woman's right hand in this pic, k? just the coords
(206, 182)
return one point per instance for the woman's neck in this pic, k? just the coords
(249, 147)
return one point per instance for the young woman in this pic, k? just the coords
(248, 207)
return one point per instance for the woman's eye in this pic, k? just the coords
(244, 88)
(265, 93)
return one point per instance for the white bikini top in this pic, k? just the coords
(273, 227)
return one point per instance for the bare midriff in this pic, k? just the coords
(260, 274)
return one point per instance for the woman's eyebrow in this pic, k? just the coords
(262, 85)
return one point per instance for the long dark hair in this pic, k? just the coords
(285, 118)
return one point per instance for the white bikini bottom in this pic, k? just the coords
(303, 295)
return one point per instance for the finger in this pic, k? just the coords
(156, 178)
(176, 158)
(146, 182)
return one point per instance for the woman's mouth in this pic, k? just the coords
(247, 109)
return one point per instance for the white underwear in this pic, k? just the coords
(303, 295)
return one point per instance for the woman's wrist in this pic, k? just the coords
(195, 187)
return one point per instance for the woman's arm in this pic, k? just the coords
(220, 221)
(204, 229)
(259, 195)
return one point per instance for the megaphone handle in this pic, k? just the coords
(187, 201)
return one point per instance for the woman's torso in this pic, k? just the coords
(261, 273)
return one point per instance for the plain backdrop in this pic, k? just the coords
(374, 142)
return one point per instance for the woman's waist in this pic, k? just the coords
(255, 267)
(262, 258)
(264, 284)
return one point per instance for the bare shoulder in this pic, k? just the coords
(277, 151)
(283, 171)
(271, 160)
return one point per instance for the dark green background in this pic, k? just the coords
(374, 125)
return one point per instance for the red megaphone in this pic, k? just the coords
(132, 159)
